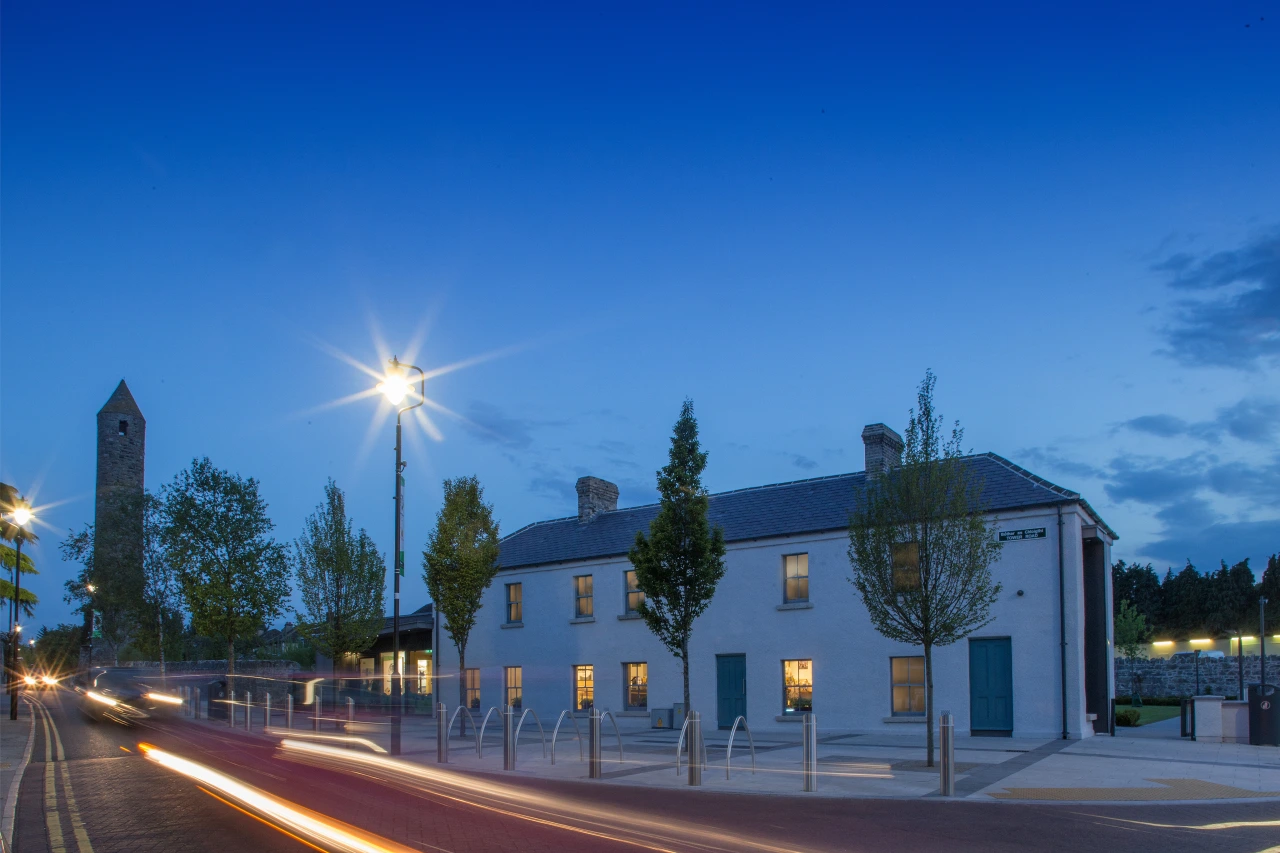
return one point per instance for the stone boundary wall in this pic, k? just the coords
(1168, 677)
(259, 676)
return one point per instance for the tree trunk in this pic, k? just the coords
(462, 689)
(684, 659)
(928, 702)
(231, 665)
(160, 632)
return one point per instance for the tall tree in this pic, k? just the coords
(58, 649)
(1270, 588)
(682, 559)
(233, 575)
(161, 603)
(1138, 585)
(1233, 600)
(921, 546)
(1185, 601)
(116, 571)
(11, 532)
(459, 563)
(341, 577)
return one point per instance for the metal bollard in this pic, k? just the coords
(810, 753)
(442, 735)
(508, 738)
(947, 766)
(288, 712)
(594, 764)
(695, 748)
(315, 710)
(248, 709)
(266, 716)
(196, 708)
(231, 711)
(351, 710)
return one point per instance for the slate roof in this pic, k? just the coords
(761, 512)
(122, 402)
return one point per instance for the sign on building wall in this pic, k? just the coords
(1020, 535)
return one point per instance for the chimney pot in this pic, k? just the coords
(595, 496)
(883, 449)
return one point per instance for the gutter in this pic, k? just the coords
(1062, 623)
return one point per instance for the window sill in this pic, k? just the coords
(581, 620)
(918, 720)
(512, 624)
(796, 605)
(789, 718)
(623, 617)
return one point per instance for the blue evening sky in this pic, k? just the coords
(786, 213)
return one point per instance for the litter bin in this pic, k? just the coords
(1264, 714)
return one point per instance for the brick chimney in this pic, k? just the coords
(883, 449)
(595, 496)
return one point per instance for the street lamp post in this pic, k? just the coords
(396, 386)
(21, 514)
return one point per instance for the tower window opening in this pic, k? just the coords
(124, 427)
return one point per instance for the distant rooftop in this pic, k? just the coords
(761, 512)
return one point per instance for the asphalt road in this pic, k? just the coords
(181, 786)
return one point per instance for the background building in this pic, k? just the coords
(786, 632)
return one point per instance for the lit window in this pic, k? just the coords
(797, 687)
(515, 684)
(515, 602)
(907, 675)
(584, 691)
(636, 684)
(582, 596)
(906, 566)
(634, 595)
(796, 573)
(473, 689)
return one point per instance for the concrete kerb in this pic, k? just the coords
(872, 766)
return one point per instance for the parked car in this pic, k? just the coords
(120, 696)
(1204, 654)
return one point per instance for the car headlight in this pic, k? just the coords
(49, 680)
(164, 697)
(29, 679)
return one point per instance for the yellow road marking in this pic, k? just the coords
(51, 821)
(73, 810)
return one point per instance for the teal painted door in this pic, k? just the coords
(731, 689)
(991, 685)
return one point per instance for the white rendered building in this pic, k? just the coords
(787, 632)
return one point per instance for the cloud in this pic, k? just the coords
(1230, 541)
(487, 422)
(1254, 421)
(1157, 482)
(1191, 513)
(803, 462)
(1234, 321)
(1258, 482)
(1048, 459)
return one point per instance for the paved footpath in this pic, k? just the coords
(195, 786)
(16, 738)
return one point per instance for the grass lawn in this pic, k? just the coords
(1156, 713)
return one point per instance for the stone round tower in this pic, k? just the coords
(122, 450)
(117, 516)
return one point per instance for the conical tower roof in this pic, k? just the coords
(122, 403)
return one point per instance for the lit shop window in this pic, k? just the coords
(797, 686)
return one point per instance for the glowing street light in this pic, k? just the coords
(20, 516)
(396, 386)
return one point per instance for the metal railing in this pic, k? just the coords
(555, 733)
(461, 709)
(520, 725)
(680, 745)
(480, 735)
(728, 753)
